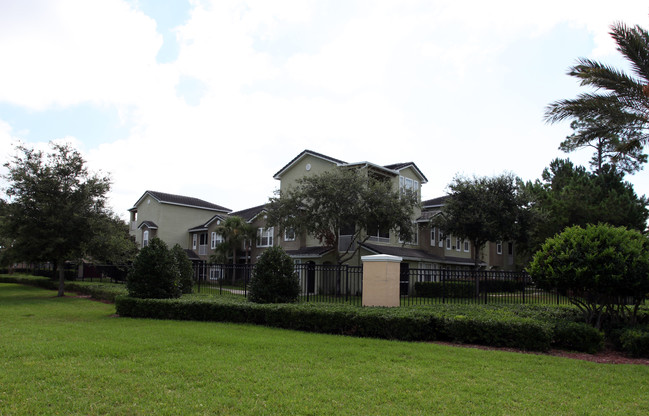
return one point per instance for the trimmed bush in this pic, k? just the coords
(185, 269)
(635, 342)
(274, 279)
(154, 273)
(577, 336)
(601, 268)
(486, 326)
(465, 289)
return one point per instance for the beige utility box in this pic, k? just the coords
(381, 280)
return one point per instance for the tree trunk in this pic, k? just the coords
(61, 267)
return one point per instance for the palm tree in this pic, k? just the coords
(620, 102)
(235, 231)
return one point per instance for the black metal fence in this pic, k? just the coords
(318, 282)
(429, 286)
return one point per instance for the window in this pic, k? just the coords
(466, 246)
(499, 248)
(265, 237)
(441, 237)
(216, 272)
(448, 243)
(378, 232)
(458, 244)
(510, 248)
(216, 240)
(289, 234)
(408, 184)
(145, 238)
(194, 241)
(432, 237)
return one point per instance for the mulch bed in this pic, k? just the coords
(607, 356)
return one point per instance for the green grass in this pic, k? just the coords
(72, 356)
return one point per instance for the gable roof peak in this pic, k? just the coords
(187, 201)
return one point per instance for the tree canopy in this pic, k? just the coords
(569, 195)
(343, 199)
(619, 106)
(482, 209)
(53, 205)
(608, 150)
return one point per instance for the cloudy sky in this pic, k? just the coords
(211, 98)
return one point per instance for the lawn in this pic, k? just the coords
(72, 356)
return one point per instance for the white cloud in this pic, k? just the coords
(386, 81)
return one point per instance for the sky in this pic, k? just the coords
(211, 98)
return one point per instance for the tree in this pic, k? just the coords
(111, 242)
(608, 147)
(343, 199)
(154, 273)
(53, 204)
(185, 269)
(569, 195)
(482, 209)
(235, 232)
(621, 109)
(600, 267)
(274, 279)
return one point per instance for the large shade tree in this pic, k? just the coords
(569, 195)
(483, 209)
(618, 105)
(53, 205)
(343, 199)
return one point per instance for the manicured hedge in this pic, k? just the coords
(465, 289)
(635, 341)
(96, 290)
(408, 324)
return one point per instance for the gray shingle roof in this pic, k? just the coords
(188, 201)
(149, 224)
(303, 153)
(249, 214)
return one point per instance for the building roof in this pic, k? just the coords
(392, 169)
(302, 155)
(192, 255)
(414, 254)
(250, 214)
(435, 202)
(309, 252)
(149, 224)
(186, 201)
(204, 227)
(400, 166)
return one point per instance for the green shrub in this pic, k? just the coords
(154, 273)
(185, 268)
(635, 341)
(274, 279)
(487, 326)
(577, 336)
(600, 267)
(465, 289)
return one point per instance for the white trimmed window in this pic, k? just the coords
(458, 244)
(265, 237)
(289, 234)
(441, 237)
(145, 238)
(432, 237)
(409, 184)
(215, 240)
(466, 246)
(194, 241)
(448, 243)
(499, 248)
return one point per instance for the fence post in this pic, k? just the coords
(381, 280)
